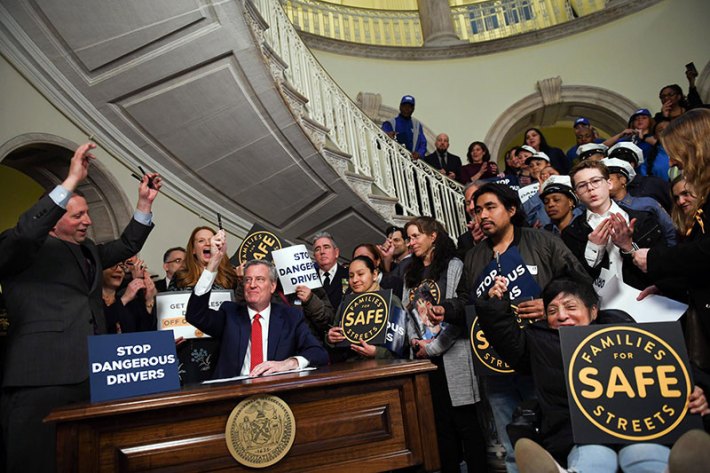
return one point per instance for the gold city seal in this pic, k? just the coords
(260, 431)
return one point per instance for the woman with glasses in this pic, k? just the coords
(605, 237)
(674, 103)
(133, 310)
(686, 140)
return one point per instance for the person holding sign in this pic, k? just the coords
(257, 337)
(363, 279)
(536, 350)
(431, 274)
(50, 272)
(529, 259)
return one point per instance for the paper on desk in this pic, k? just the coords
(616, 294)
(239, 378)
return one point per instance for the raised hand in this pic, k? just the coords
(79, 166)
(218, 248)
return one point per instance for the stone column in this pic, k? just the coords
(437, 28)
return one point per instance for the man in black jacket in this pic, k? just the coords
(446, 163)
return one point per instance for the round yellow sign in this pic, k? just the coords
(260, 431)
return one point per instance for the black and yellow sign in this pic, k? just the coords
(627, 383)
(260, 431)
(365, 317)
(258, 244)
(488, 362)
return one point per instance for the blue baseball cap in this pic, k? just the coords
(581, 121)
(407, 99)
(640, 112)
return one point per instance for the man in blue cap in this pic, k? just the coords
(407, 130)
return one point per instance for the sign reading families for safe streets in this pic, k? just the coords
(627, 383)
(258, 244)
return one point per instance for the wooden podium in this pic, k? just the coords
(362, 417)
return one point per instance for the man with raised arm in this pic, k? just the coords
(50, 272)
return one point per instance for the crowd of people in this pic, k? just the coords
(548, 225)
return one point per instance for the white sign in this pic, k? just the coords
(616, 294)
(171, 307)
(295, 268)
(528, 191)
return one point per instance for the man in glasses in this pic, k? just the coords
(606, 236)
(173, 259)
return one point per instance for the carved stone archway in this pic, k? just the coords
(45, 158)
(553, 103)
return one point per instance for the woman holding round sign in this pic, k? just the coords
(198, 356)
(431, 275)
(603, 389)
(363, 275)
(687, 264)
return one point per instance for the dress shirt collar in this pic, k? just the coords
(594, 219)
(264, 313)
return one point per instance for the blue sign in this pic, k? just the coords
(132, 364)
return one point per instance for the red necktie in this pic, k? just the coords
(257, 348)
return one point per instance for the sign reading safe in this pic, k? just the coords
(627, 383)
(132, 364)
(365, 317)
(258, 244)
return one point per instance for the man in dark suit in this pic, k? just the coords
(51, 277)
(173, 259)
(256, 338)
(333, 276)
(447, 164)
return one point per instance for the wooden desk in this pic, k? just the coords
(362, 417)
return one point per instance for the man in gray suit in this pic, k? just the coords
(51, 278)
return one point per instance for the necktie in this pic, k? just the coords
(257, 346)
(326, 281)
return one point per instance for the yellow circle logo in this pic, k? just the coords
(260, 431)
(616, 375)
(484, 351)
(258, 245)
(365, 317)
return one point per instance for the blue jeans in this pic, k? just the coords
(504, 394)
(636, 458)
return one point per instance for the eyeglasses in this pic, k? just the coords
(176, 260)
(669, 95)
(585, 186)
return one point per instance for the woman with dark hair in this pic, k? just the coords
(558, 159)
(131, 311)
(198, 355)
(686, 140)
(386, 280)
(363, 275)
(674, 103)
(479, 164)
(431, 275)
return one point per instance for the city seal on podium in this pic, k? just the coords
(260, 431)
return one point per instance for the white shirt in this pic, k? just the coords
(331, 272)
(594, 253)
(204, 285)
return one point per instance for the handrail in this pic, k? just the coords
(419, 189)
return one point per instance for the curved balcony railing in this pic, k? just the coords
(475, 21)
(418, 188)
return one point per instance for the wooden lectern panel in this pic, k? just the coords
(360, 417)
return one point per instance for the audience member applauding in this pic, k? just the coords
(132, 311)
(479, 164)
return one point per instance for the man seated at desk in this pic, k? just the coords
(256, 338)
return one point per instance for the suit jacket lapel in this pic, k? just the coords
(79, 256)
(97, 266)
(276, 323)
(244, 334)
